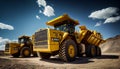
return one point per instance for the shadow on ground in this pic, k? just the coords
(109, 57)
(80, 60)
(23, 57)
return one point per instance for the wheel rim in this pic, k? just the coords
(71, 51)
(26, 52)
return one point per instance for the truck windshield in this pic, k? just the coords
(22, 40)
(61, 27)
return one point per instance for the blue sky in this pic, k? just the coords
(24, 17)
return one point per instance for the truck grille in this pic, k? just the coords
(7, 47)
(41, 39)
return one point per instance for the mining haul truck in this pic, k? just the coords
(64, 41)
(23, 47)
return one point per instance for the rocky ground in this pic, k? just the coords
(110, 59)
(106, 61)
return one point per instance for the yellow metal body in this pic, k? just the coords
(55, 37)
(94, 38)
(59, 19)
(13, 48)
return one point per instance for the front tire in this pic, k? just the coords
(25, 52)
(68, 50)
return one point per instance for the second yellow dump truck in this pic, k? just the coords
(24, 47)
(64, 41)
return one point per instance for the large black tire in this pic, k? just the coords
(66, 53)
(80, 49)
(90, 51)
(16, 54)
(23, 52)
(98, 50)
(44, 55)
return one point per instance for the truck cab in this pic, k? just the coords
(25, 40)
(64, 23)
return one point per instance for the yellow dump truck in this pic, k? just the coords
(23, 47)
(64, 41)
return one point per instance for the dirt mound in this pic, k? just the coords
(112, 45)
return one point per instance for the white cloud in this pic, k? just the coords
(6, 26)
(104, 13)
(41, 3)
(37, 17)
(98, 24)
(3, 41)
(48, 11)
(112, 19)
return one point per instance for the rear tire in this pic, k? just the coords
(98, 50)
(81, 50)
(68, 50)
(25, 52)
(90, 51)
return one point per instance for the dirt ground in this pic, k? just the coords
(106, 61)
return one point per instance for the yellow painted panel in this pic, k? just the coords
(59, 19)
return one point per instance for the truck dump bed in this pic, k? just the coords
(90, 37)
